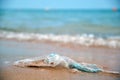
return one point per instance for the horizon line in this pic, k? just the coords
(56, 9)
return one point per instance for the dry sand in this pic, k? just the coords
(11, 51)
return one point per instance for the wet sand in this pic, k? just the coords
(11, 50)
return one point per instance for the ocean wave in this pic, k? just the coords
(83, 39)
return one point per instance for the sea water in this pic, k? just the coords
(83, 27)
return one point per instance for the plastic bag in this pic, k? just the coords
(56, 59)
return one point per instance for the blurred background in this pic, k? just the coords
(87, 20)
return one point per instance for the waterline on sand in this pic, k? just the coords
(83, 39)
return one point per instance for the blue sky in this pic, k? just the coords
(59, 4)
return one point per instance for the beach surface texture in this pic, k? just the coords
(106, 57)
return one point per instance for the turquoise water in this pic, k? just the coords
(104, 22)
(84, 27)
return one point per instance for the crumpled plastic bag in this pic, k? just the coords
(57, 59)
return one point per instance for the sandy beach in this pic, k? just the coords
(12, 50)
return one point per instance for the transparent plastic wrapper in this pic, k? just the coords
(53, 60)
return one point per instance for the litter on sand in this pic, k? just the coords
(53, 60)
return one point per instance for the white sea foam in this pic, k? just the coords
(84, 39)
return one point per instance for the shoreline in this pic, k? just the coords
(65, 44)
(85, 39)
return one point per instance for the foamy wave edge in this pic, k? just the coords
(84, 39)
